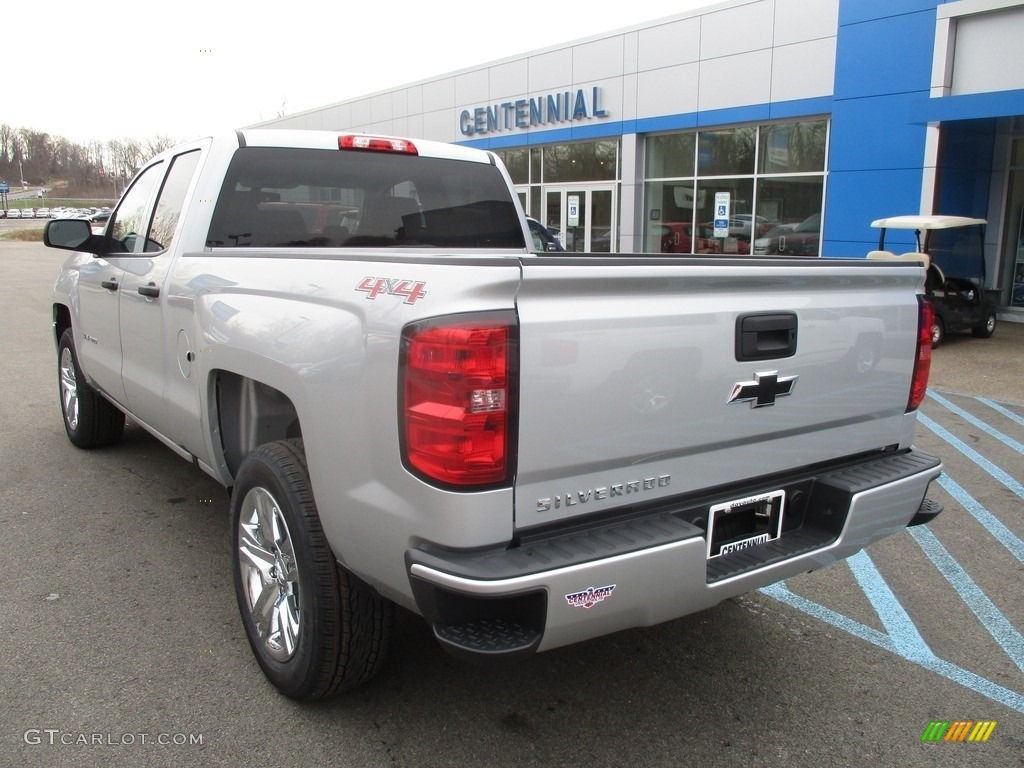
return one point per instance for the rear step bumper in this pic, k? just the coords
(573, 586)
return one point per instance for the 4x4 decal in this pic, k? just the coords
(410, 290)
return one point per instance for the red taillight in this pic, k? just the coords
(923, 358)
(377, 144)
(456, 399)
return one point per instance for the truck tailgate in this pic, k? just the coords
(638, 386)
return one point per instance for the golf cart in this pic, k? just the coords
(951, 245)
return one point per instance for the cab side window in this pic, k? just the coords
(171, 201)
(128, 222)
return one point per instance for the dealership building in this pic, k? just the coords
(765, 126)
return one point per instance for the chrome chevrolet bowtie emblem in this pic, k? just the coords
(763, 390)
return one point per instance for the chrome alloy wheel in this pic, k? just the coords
(69, 388)
(270, 576)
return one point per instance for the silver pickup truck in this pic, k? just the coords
(409, 407)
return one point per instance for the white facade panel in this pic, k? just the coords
(989, 52)
(509, 77)
(471, 87)
(735, 81)
(630, 92)
(551, 70)
(597, 60)
(380, 108)
(362, 114)
(400, 103)
(630, 52)
(672, 90)
(440, 126)
(804, 70)
(798, 21)
(439, 94)
(670, 44)
(415, 99)
(737, 30)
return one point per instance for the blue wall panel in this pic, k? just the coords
(891, 55)
(855, 198)
(857, 11)
(966, 167)
(874, 133)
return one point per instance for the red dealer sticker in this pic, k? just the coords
(589, 597)
(409, 290)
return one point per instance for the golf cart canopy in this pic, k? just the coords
(957, 252)
(925, 222)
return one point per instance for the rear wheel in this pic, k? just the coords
(938, 332)
(987, 328)
(315, 629)
(90, 420)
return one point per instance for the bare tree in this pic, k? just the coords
(158, 144)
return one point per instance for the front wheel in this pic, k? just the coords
(938, 332)
(315, 629)
(987, 328)
(90, 420)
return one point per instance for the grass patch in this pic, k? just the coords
(24, 234)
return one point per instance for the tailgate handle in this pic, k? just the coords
(766, 336)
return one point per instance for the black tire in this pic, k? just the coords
(987, 328)
(90, 420)
(323, 630)
(938, 331)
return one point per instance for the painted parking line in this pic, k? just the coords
(929, 661)
(988, 430)
(966, 450)
(991, 523)
(1001, 410)
(901, 636)
(995, 623)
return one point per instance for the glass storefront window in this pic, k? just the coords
(726, 152)
(669, 156)
(775, 177)
(669, 217)
(792, 147)
(518, 163)
(591, 161)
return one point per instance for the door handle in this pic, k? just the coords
(766, 336)
(110, 285)
(150, 290)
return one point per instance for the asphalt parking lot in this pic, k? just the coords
(121, 643)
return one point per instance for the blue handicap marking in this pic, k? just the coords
(721, 223)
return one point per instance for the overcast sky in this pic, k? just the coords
(121, 68)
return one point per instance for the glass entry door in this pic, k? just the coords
(582, 217)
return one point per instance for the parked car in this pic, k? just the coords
(677, 237)
(802, 240)
(746, 226)
(543, 240)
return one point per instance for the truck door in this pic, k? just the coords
(99, 289)
(146, 355)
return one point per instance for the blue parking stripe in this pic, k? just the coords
(897, 622)
(992, 524)
(997, 693)
(973, 455)
(997, 625)
(1001, 410)
(970, 418)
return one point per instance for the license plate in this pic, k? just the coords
(737, 525)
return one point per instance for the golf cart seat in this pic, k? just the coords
(924, 258)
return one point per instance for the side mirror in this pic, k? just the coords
(69, 234)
